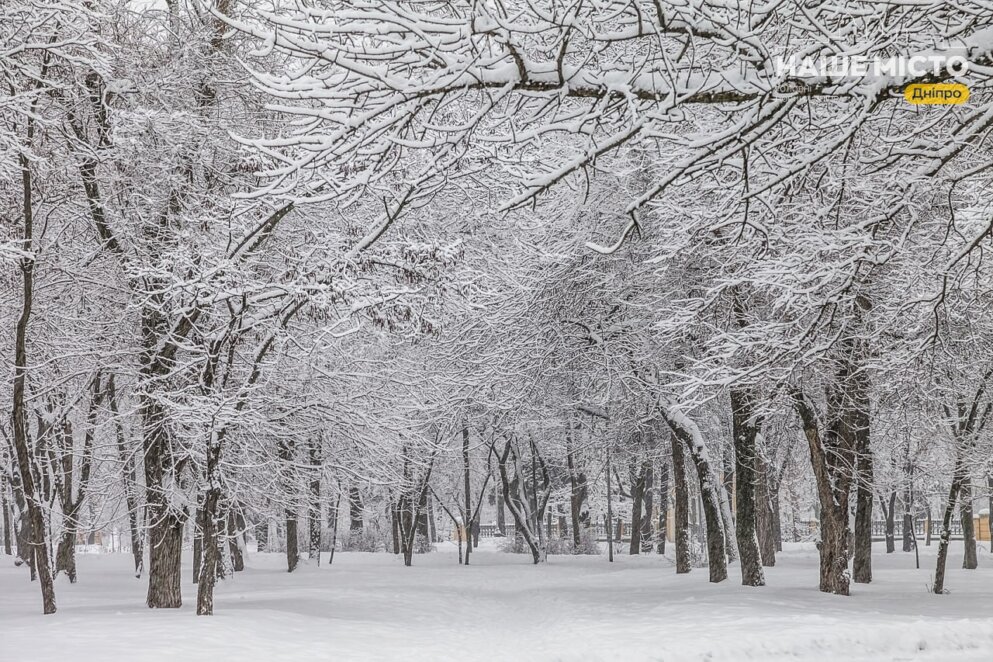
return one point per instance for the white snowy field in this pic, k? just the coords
(370, 607)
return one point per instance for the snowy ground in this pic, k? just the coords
(370, 607)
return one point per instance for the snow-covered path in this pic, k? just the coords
(370, 607)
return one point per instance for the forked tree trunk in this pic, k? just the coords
(744, 425)
(355, 509)
(687, 433)
(577, 495)
(681, 509)
(831, 461)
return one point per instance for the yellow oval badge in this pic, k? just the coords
(939, 94)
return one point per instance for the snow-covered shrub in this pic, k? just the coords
(364, 540)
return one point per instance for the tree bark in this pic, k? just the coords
(831, 461)
(862, 561)
(314, 511)
(663, 505)
(764, 515)
(958, 479)
(355, 508)
(637, 501)
(745, 424)
(292, 542)
(681, 509)
(467, 514)
(130, 478)
(889, 512)
(686, 432)
(648, 499)
(38, 540)
(969, 560)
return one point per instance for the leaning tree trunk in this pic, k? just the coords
(831, 461)
(687, 433)
(958, 479)
(969, 560)
(681, 509)
(38, 552)
(744, 424)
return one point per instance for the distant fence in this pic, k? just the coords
(622, 530)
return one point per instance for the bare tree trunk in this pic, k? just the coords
(946, 529)
(663, 505)
(909, 535)
(6, 520)
(211, 523)
(262, 535)
(22, 447)
(314, 511)
(355, 508)
(862, 561)
(745, 425)
(832, 493)
(501, 510)
(889, 512)
(198, 529)
(764, 515)
(292, 542)
(236, 532)
(467, 514)
(637, 499)
(685, 432)
(130, 478)
(681, 514)
(969, 560)
(648, 499)
(577, 495)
